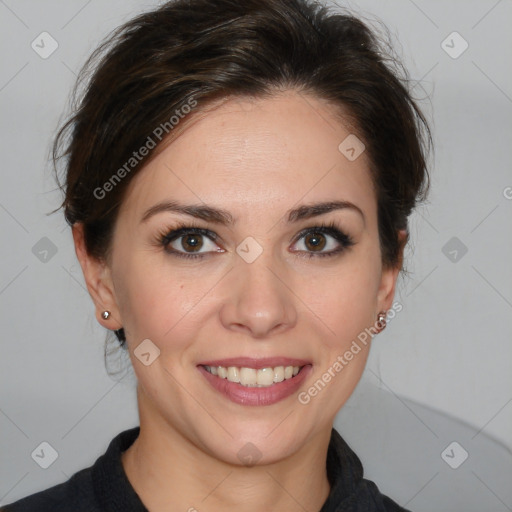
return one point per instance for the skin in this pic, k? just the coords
(256, 158)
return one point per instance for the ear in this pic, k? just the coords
(389, 277)
(98, 278)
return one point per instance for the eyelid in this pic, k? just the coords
(180, 231)
(330, 229)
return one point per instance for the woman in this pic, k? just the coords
(238, 181)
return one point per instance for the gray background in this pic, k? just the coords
(439, 373)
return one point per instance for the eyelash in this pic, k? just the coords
(165, 237)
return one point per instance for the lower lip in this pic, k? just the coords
(244, 395)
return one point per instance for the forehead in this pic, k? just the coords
(247, 154)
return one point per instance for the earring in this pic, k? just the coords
(381, 321)
(105, 315)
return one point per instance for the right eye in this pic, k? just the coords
(189, 242)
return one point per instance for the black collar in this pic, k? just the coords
(349, 490)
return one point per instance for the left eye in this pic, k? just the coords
(323, 241)
(317, 241)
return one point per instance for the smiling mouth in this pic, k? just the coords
(255, 378)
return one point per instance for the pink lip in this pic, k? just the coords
(250, 362)
(244, 395)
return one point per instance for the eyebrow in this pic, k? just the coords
(223, 217)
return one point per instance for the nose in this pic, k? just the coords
(259, 300)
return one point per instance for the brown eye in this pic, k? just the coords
(315, 241)
(322, 241)
(192, 242)
(189, 242)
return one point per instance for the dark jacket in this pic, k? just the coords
(104, 487)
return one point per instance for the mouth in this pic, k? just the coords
(253, 377)
(256, 382)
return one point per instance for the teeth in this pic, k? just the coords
(279, 374)
(248, 376)
(233, 374)
(265, 377)
(251, 377)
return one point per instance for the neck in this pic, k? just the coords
(169, 472)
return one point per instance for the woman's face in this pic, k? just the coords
(257, 291)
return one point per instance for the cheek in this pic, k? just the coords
(348, 297)
(156, 301)
(348, 308)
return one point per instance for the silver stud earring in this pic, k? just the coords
(381, 320)
(105, 315)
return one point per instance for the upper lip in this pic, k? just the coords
(257, 363)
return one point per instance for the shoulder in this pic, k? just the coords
(350, 491)
(375, 500)
(76, 494)
(92, 489)
(365, 497)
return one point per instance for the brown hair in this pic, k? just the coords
(192, 52)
